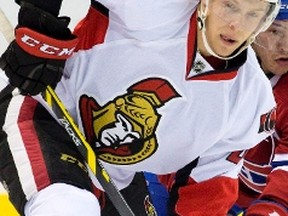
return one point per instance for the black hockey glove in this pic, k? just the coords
(50, 6)
(36, 58)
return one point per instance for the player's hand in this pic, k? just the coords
(36, 58)
(266, 208)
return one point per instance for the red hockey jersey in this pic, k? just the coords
(265, 169)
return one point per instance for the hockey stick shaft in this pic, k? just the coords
(5, 27)
(58, 108)
(85, 149)
(98, 171)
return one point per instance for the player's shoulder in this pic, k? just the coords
(253, 72)
(255, 87)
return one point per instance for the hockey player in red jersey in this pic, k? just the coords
(163, 86)
(263, 178)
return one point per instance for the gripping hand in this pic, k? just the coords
(36, 58)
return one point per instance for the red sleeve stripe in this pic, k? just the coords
(31, 143)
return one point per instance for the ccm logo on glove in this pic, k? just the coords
(31, 42)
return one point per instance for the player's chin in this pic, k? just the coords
(225, 51)
(279, 71)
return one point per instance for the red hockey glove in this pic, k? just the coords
(266, 208)
(36, 58)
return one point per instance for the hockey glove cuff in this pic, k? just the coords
(36, 58)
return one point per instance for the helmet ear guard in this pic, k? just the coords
(270, 17)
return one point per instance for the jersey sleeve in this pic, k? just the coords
(265, 168)
(220, 197)
(213, 196)
(277, 185)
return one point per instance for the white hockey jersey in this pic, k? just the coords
(146, 100)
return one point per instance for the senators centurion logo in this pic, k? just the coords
(123, 130)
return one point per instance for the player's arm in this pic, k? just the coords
(275, 195)
(274, 198)
(208, 185)
(214, 196)
(43, 41)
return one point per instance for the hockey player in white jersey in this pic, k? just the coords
(170, 87)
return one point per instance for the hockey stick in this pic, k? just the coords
(6, 27)
(85, 149)
(94, 165)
